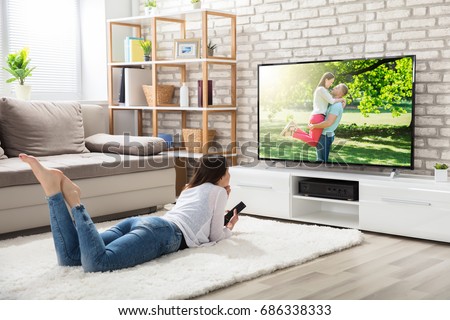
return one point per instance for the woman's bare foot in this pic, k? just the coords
(71, 192)
(50, 179)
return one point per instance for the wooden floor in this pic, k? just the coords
(383, 267)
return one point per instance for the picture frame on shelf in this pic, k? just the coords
(186, 48)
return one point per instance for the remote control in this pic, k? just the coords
(239, 207)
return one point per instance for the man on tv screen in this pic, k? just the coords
(330, 124)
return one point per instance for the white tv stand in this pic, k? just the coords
(408, 206)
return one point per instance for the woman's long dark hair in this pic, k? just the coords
(326, 76)
(211, 168)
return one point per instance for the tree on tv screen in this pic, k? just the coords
(375, 85)
(378, 84)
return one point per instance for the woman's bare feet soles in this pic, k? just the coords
(50, 179)
(71, 192)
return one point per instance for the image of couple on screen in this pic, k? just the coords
(325, 117)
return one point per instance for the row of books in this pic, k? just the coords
(132, 80)
(130, 90)
(133, 50)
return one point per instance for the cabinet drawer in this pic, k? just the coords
(264, 192)
(416, 220)
(407, 195)
(259, 179)
(261, 202)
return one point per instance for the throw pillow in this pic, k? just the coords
(41, 128)
(125, 144)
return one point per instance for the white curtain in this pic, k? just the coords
(51, 31)
(2, 61)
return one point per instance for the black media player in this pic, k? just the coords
(328, 188)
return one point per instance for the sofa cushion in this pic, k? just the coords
(95, 119)
(41, 128)
(14, 172)
(125, 144)
(2, 154)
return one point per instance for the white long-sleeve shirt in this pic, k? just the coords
(322, 98)
(199, 213)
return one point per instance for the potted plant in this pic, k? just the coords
(146, 46)
(150, 7)
(196, 4)
(211, 48)
(440, 172)
(18, 68)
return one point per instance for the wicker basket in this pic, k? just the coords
(164, 93)
(192, 139)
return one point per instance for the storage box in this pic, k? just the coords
(164, 93)
(192, 139)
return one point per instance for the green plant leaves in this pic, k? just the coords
(146, 45)
(441, 166)
(18, 66)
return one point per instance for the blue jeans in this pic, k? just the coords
(132, 241)
(323, 147)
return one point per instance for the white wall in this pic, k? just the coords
(94, 14)
(93, 50)
(271, 31)
(274, 31)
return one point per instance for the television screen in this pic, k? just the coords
(342, 112)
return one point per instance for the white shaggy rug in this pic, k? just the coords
(28, 268)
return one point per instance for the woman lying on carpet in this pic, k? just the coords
(196, 220)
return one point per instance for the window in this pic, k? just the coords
(51, 31)
(2, 82)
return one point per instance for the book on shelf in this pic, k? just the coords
(122, 87)
(200, 93)
(133, 81)
(133, 50)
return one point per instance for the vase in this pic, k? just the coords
(23, 91)
(147, 58)
(196, 5)
(210, 52)
(440, 175)
(184, 95)
(148, 11)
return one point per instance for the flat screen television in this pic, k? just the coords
(375, 127)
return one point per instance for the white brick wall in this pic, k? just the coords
(271, 31)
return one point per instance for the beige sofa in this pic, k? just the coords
(111, 182)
